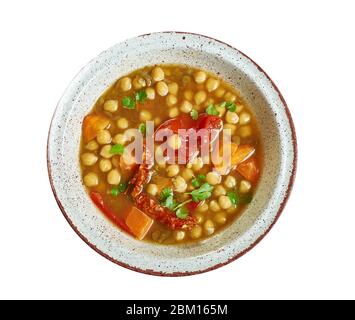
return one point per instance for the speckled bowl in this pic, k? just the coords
(200, 51)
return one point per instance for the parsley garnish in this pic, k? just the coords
(211, 110)
(194, 114)
(128, 103)
(117, 149)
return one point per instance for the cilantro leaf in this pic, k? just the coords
(141, 96)
(228, 105)
(165, 193)
(194, 114)
(142, 128)
(121, 187)
(211, 110)
(233, 197)
(202, 193)
(182, 213)
(169, 202)
(117, 149)
(198, 180)
(128, 103)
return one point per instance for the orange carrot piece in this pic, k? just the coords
(249, 170)
(92, 124)
(138, 222)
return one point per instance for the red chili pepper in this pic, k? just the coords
(108, 212)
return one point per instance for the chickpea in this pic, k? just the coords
(114, 177)
(230, 97)
(104, 137)
(209, 227)
(173, 88)
(172, 170)
(190, 187)
(179, 184)
(91, 179)
(88, 159)
(162, 88)
(105, 151)
(187, 174)
(239, 107)
(120, 139)
(197, 164)
(202, 207)
(105, 165)
(236, 140)
(220, 218)
(220, 92)
(186, 80)
(188, 94)
(221, 110)
(245, 131)
(199, 217)
(200, 96)
(179, 235)
(230, 182)
(157, 74)
(125, 84)
(232, 117)
(214, 206)
(231, 127)
(200, 77)
(145, 115)
(174, 141)
(157, 121)
(122, 123)
(244, 118)
(139, 83)
(224, 202)
(111, 105)
(150, 93)
(173, 112)
(152, 189)
(219, 191)
(232, 210)
(244, 186)
(196, 232)
(212, 84)
(186, 106)
(171, 100)
(156, 235)
(92, 145)
(213, 178)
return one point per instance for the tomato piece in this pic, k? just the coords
(192, 206)
(108, 212)
(92, 124)
(249, 170)
(205, 121)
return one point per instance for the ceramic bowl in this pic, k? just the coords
(277, 133)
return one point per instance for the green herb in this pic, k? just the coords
(233, 197)
(202, 193)
(141, 96)
(246, 199)
(182, 213)
(198, 180)
(128, 103)
(117, 149)
(237, 199)
(142, 128)
(211, 110)
(170, 203)
(228, 105)
(194, 114)
(115, 191)
(165, 193)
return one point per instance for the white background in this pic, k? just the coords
(307, 47)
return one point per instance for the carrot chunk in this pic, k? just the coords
(249, 170)
(92, 124)
(138, 222)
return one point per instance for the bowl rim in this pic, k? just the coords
(218, 265)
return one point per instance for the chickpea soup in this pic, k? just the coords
(171, 154)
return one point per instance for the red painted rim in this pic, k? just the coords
(179, 274)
